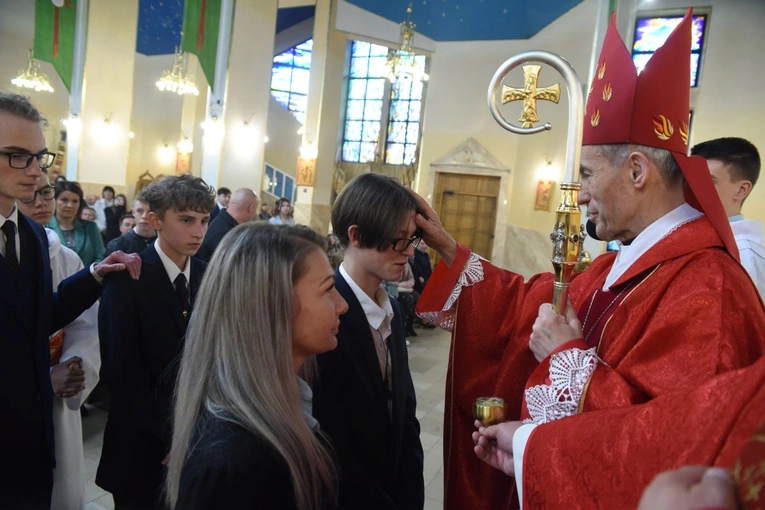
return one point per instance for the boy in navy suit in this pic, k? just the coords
(141, 325)
(30, 311)
(364, 398)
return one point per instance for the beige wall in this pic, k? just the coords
(460, 73)
(283, 144)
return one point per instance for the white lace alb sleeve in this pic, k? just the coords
(471, 274)
(569, 372)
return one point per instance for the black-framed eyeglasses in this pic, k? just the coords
(400, 244)
(22, 160)
(47, 193)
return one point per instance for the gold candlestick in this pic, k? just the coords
(489, 410)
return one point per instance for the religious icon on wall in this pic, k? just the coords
(306, 171)
(544, 194)
(182, 163)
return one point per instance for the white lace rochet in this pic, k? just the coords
(569, 372)
(471, 274)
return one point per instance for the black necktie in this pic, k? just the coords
(9, 229)
(182, 291)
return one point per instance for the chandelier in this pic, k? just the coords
(402, 63)
(176, 79)
(32, 78)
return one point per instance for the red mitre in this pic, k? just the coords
(652, 109)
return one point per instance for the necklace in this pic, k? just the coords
(589, 309)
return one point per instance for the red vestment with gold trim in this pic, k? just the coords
(692, 313)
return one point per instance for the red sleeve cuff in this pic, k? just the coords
(577, 343)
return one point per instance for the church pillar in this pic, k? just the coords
(247, 94)
(74, 124)
(107, 96)
(322, 123)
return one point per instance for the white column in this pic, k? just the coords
(74, 123)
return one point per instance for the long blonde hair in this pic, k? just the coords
(237, 360)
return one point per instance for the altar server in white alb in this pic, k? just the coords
(74, 363)
(735, 166)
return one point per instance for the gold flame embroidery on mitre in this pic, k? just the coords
(663, 127)
(602, 71)
(684, 132)
(607, 92)
(595, 119)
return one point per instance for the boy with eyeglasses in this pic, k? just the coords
(30, 311)
(365, 399)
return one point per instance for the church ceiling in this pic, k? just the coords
(160, 23)
(473, 20)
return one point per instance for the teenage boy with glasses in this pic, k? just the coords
(30, 311)
(364, 399)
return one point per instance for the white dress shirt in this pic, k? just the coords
(172, 270)
(749, 235)
(379, 315)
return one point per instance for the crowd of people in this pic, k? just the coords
(257, 363)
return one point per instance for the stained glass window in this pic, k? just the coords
(289, 78)
(373, 104)
(279, 184)
(651, 32)
(404, 120)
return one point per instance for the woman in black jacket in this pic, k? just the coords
(243, 434)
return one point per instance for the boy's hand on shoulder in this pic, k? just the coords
(120, 261)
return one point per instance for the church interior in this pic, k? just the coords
(296, 98)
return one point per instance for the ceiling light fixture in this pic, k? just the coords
(177, 79)
(32, 78)
(402, 63)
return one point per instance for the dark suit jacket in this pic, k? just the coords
(215, 212)
(29, 313)
(229, 467)
(380, 459)
(220, 227)
(141, 328)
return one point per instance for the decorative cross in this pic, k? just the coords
(530, 94)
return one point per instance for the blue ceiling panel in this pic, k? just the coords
(291, 16)
(159, 26)
(473, 20)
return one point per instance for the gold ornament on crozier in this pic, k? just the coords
(530, 94)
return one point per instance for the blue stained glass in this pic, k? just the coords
(397, 132)
(282, 97)
(399, 109)
(377, 68)
(417, 87)
(360, 48)
(281, 78)
(651, 33)
(371, 131)
(353, 130)
(694, 69)
(404, 89)
(303, 58)
(421, 60)
(395, 154)
(412, 132)
(285, 58)
(368, 150)
(359, 67)
(410, 153)
(300, 116)
(378, 51)
(279, 186)
(376, 89)
(357, 89)
(269, 175)
(414, 110)
(640, 60)
(306, 46)
(300, 80)
(355, 110)
(373, 110)
(298, 103)
(351, 151)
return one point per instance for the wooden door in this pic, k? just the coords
(467, 207)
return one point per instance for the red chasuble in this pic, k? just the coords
(691, 312)
(605, 459)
